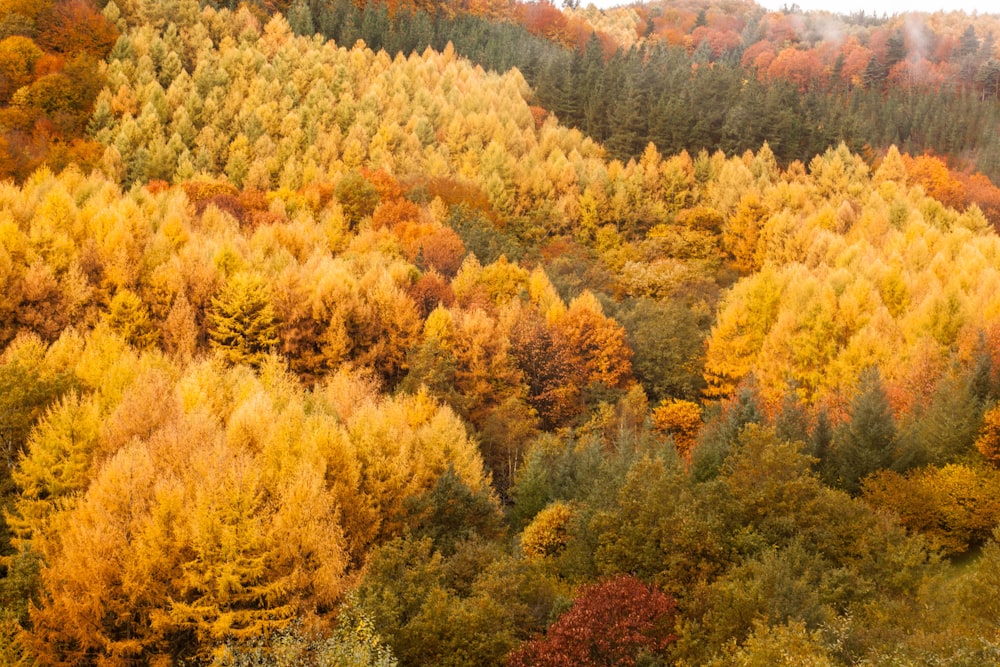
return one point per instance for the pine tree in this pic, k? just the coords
(968, 45)
(300, 18)
(243, 326)
(867, 441)
(791, 424)
(820, 447)
(129, 318)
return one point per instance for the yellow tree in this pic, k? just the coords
(548, 532)
(741, 235)
(745, 318)
(485, 371)
(404, 445)
(988, 442)
(173, 549)
(682, 420)
(57, 461)
(243, 326)
(129, 317)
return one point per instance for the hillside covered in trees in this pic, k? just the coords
(465, 334)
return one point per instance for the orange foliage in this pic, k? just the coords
(18, 56)
(878, 42)
(780, 28)
(156, 186)
(200, 193)
(431, 246)
(430, 291)
(385, 183)
(855, 60)
(954, 507)
(674, 36)
(30, 9)
(759, 55)
(721, 20)
(719, 41)
(954, 188)
(318, 193)
(50, 63)
(682, 420)
(394, 212)
(495, 9)
(538, 114)
(59, 88)
(915, 387)
(980, 190)
(549, 371)
(597, 344)
(545, 20)
(801, 67)
(933, 174)
(988, 442)
(455, 192)
(77, 26)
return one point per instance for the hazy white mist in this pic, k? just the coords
(870, 7)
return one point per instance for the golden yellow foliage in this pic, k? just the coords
(548, 532)
(955, 507)
(988, 442)
(682, 420)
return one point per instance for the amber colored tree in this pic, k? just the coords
(718, 40)
(801, 67)
(545, 20)
(955, 507)
(18, 56)
(485, 373)
(393, 212)
(548, 367)
(598, 343)
(855, 60)
(932, 173)
(432, 247)
(981, 191)
(759, 55)
(77, 26)
(682, 420)
(988, 442)
(611, 624)
(780, 28)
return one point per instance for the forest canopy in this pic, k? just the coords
(421, 333)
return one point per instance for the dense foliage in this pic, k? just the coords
(724, 77)
(325, 354)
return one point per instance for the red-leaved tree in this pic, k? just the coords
(611, 624)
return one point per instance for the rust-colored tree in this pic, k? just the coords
(598, 343)
(988, 442)
(548, 367)
(933, 174)
(611, 624)
(77, 26)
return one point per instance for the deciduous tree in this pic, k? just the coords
(613, 623)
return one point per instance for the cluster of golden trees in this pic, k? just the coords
(175, 509)
(848, 268)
